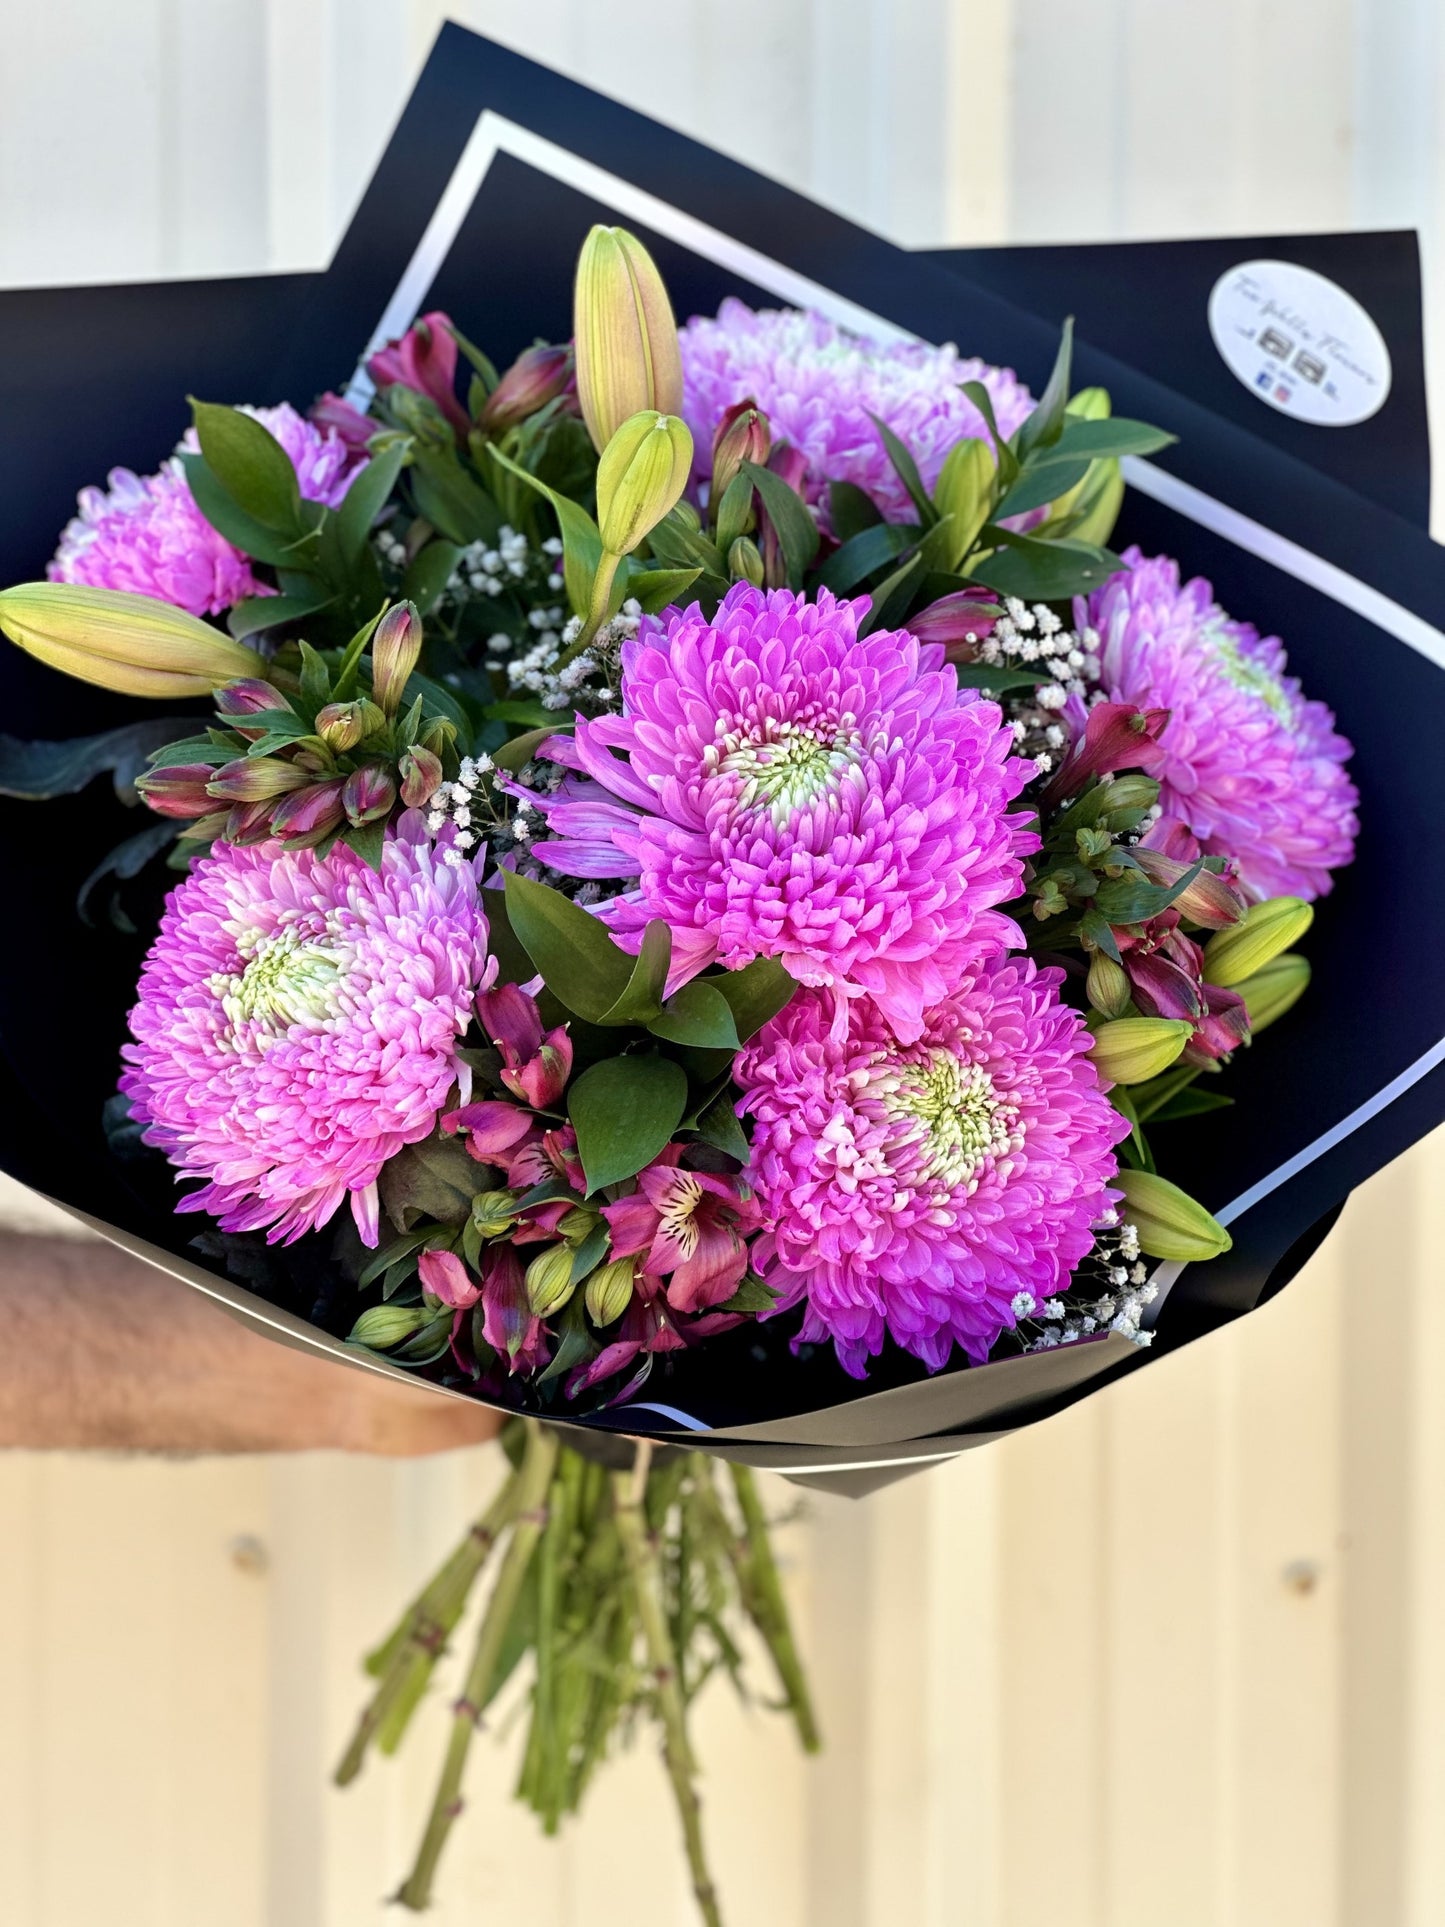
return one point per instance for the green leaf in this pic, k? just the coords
(581, 538)
(255, 613)
(967, 484)
(641, 1000)
(1116, 435)
(678, 544)
(907, 471)
(449, 499)
(429, 572)
(515, 754)
(1008, 464)
(734, 512)
(253, 538)
(797, 532)
(251, 466)
(852, 510)
(755, 993)
(1100, 933)
(366, 840)
(719, 1126)
(1045, 425)
(697, 1014)
(431, 1342)
(367, 496)
(1135, 1149)
(315, 677)
(194, 749)
(624, 1110)
(592, 1250)
(1134, 899)
(752, 1296)
(1191, 1103)
(575, 1343)
(579, 962)
(1038, 571)
(861, 554)
(36, 771)
(998, 677)
(1040, 482)
(391, 1254)
(531, 713)
(658, 589)
(127, 859)
(893, 595)
(434, 1180)
(343, 685)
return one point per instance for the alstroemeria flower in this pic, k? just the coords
(445, 1278)
(509, 1325)
(535, 1068)
(692, 1224)
(424, 359)
(1165, 971)
(1117, 736)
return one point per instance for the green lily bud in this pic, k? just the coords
(549, 1280)
(1262, 933)
(1170, 1223)
(1108, 986)
(132, 644)
(1131, 1050)
(1090, 405)
(1270, 992)
(965, 491)
(1097, 505)
(395, 652)
(626, 338)
(745, 561)
(493, 1213)
(643, 470)
(382, 1326)
(609, 1290)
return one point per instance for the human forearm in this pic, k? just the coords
(98, 1350)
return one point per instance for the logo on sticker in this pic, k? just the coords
(1300, 342)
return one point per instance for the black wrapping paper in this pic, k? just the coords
(94, 377)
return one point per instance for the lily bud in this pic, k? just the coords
(643, 471)
(743, 435)
(549, 1280)
(308, 815)
(609, 1290)
(251, 697)
(179, 790)
(368, 794)
(537, 376)
(1108, 985)
(254, 779)
(1131, 1050)
(494, 1213)
(421, 775)
(1273, 990)
(745, 561)
(626, 339)
(341, 726)
(133, 644)
(1209, 899)
(1170, 1223)
(395, 652)
(1262, 934)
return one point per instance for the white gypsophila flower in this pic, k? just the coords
(1023, 1304)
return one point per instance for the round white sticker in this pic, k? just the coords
(1300, 343)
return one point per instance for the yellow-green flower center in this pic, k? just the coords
(962, 1120)
(788, 765)
(1250, 676)
(287, 979)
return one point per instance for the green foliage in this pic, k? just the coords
(624, 1110)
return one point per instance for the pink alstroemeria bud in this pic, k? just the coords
(1117, 736)
(743, 435)
(249, 822)
(535, 1068)
(447, 1279)
(509, 1324)
(368, 794)
(958, 621)
(424, 359)
(309, 814)
(250, 697)
(539, 375)
(252, 779)
(421, 775)
(395, 652)
(336, 413)
(180, 790)
(1208, 899)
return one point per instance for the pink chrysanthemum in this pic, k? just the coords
(298, 1024)
(819, 387)
(1253, 770)
(927, 1190)
(145, 534)
(794, 791)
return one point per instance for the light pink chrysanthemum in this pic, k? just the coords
(1254, 771)
(298, 1024)
(145, 534)
(819, 386)
(921, 1189)
(793, 791)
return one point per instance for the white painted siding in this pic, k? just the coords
(1174, 1657)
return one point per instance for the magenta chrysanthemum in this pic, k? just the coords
(145, 534)
(298, 1024)
(919, 1189)
(793, 791)
(1253, 770)
(819, 387)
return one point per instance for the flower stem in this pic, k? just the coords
(629, 1490)
(607, 567)
(762, 1592)
(534, 1481)
(405, 1661)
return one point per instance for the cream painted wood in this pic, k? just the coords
(1173, 1657)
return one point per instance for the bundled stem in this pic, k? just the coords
(762, 1591)
(629, 1490)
